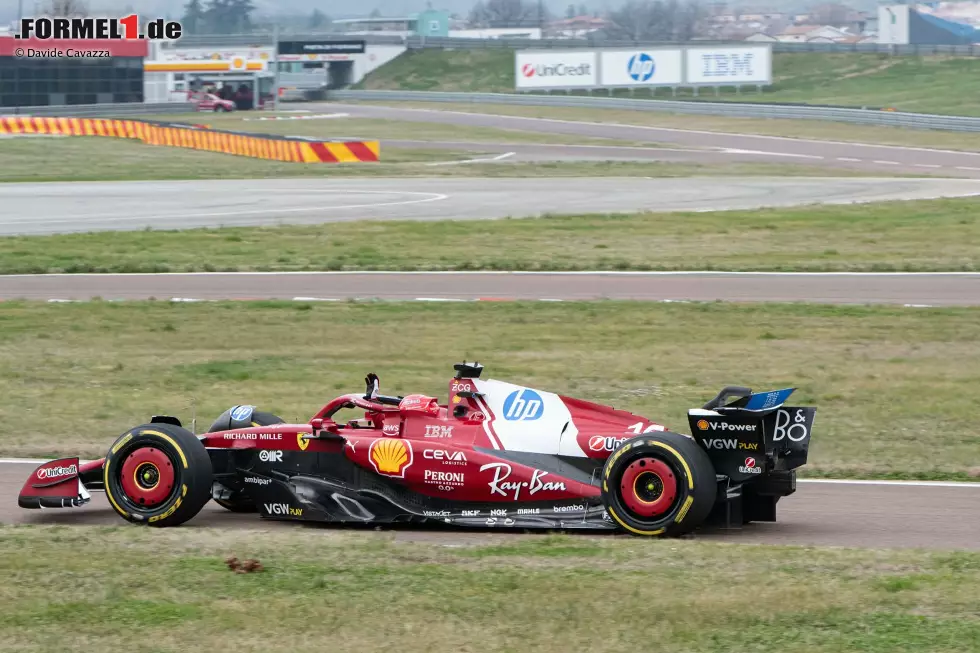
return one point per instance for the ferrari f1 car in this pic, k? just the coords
(497, 455)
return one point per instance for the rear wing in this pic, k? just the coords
(754, 434)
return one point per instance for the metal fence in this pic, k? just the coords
(420, 42)
(732, 109)
(99, 110)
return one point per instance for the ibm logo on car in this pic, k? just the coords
(641, 67)
(523, 405)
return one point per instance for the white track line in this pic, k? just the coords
(844, 481)
(621, 273)
(499, 157)
(828, 481)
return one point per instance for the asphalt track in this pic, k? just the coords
(113, 206)
(925, 289)
(940, 516)
(690, 145)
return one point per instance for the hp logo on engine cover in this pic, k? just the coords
(523, 405)
(641, 67)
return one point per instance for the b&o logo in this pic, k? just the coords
(641, 67)
(523, 405)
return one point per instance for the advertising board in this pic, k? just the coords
(641, 67)
(319, 50)
(540, 69)
(726, 66)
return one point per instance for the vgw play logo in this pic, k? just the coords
(641, 67)
(523, 405)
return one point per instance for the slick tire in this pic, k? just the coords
(659, 484)
(157, 475)
(240, 501)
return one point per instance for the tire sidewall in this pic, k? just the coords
(696, 486)
(192, 474)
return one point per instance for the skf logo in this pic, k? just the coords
(703, 424)
(391, 457)
(302, 441)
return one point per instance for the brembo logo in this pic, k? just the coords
(55, 472)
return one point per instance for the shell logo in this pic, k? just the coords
(703, 424)
(237, 63)
(391, 456)
(301, 441)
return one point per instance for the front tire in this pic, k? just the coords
(157, 475)
(659, 484)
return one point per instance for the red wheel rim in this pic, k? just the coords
(648, 487)
(147, 477)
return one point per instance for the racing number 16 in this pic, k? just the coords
(643, 427)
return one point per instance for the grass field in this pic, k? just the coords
(97, 159)
(891, 384)
(807, 129)
(128, 588)
(928, 84)
(933, 235)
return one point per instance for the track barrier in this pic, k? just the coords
(200, 137)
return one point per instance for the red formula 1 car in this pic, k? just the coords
(498, 455)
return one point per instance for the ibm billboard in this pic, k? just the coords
(749, 65)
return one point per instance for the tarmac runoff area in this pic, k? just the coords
(686, 145)
(885, 514)
(914, 290)
(117, 206)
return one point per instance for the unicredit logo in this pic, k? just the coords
(557, 70)
(56, 472)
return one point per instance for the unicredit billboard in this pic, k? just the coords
(535, 69)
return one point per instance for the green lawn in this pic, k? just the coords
(927, 84)
(926, 235)
(130, 588)
(892, 385)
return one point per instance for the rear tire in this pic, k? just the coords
(240, 501)
(157, 475)
(659, 484)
